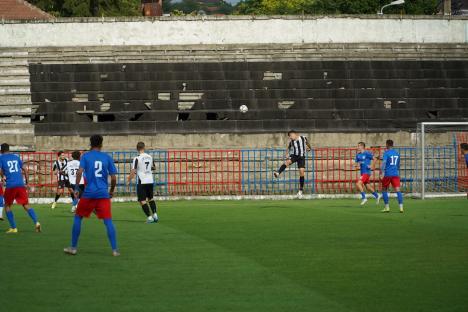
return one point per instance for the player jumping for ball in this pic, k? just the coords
(11, 167)
(364, 161)
(142, 167)
(390, 172)
(295, 153)
(97, 167)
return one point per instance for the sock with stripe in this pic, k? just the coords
(375, 194)
(11, 219)
(32, 215)
(111, 233)
(363, 195)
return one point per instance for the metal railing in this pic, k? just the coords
(250, 171)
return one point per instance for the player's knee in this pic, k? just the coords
(143, 202)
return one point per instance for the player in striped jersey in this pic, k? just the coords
(296, 151)
(142, 168)
(60, 170)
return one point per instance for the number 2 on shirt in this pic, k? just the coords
(98, 167)
(393, 160)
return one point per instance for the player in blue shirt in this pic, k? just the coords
(364, 161)
(391, 175)
(97, 167)
(11, 167)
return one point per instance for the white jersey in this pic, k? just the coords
(143, 164)
(72, 169)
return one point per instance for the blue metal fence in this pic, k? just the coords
(258, 165)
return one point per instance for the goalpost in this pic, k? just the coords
(441, 169)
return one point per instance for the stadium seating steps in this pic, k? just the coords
(183, 89)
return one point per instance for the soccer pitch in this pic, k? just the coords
(296, 255)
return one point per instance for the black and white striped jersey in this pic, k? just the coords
(298, 147)
(61, 167)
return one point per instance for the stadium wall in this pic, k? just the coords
(233, 30)
(25, 46)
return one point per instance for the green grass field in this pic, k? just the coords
(320, 255)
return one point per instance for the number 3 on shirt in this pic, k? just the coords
(98, 169)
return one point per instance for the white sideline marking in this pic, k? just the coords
(253, 197)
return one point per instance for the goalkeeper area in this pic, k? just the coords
(295, 255)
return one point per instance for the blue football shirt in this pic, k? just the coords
(97, 166)
(466, 159)
(364, 160)
(391, 163)
(12, 166)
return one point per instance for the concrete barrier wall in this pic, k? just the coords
(234, 30)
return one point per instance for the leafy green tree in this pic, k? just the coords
(271, 7)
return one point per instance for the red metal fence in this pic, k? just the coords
(462, 137)
(203, 172)
(336, 171)
(250, 171)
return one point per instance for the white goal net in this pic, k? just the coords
(440, 166)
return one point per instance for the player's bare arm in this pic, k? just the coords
(113, 184)
(79, 175)
(25, 175)
(131, 175)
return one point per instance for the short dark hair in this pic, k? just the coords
(389, 143)
(362, 143)
(4, 147)
(291, 131)
(464, 146)
(59, 153)
(76, 155)
(96, 140)
(140, 146)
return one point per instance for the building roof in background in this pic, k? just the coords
(20, 10)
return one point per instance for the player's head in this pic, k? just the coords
(464, 148)
(361, 146)
(4, 148)
(292, 134)
(60, 155)
(389, 143)
(140, 146)
(76, 155)
(96, 141)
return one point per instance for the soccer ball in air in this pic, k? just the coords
(243, 109)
